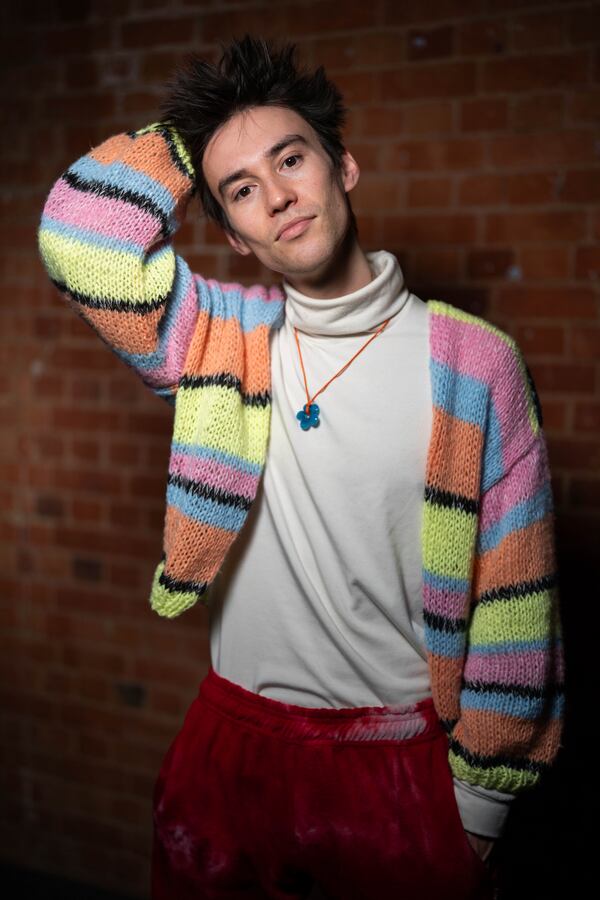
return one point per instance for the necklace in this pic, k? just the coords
(309, 414)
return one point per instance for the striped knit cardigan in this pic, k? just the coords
(491, 613)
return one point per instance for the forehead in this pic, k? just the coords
(242, 141)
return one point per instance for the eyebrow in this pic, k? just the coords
(269, 154)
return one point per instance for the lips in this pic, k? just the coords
(296, 226)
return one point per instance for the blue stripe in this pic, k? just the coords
(242, 465)
(206, 511)
(513, 647)
(492, 468)
(227, 304)
(459, 395)
(445, 582)
(444, 643)
(520, 516)
(512, 705)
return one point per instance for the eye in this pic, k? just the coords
(237, 196)
(294, 156)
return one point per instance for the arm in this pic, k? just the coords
(511, 700)
(105, 240)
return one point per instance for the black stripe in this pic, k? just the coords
(515, 763)
(448, 499)
(441, 623)
(139, 307)
(188, 587)
(509, 591)
(547, 692)
(94, 186)
(225, 498)
(225, 379)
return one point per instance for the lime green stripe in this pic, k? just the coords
(169, 603)
(111, 274)
(215, 417)
(448, 540)
(497, 778)
(524, 618)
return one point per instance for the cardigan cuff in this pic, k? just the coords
(482, 811)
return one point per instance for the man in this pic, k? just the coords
(386, 660)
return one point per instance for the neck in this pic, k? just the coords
(347, 271)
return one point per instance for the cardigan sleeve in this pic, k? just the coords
(511, 699)
(105, 238)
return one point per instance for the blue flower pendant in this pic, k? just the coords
(310, 420)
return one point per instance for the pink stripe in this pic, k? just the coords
(179, 340)
(526, 478)
(215, 474)
(527, 667)
(255, 292)
(449, 338)
(101, 215)
(449, 604)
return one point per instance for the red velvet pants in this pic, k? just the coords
(262, 799)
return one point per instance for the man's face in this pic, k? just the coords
(266, 168)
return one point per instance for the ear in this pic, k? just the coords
(238, 244)
(350, 171)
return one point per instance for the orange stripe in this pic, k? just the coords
(150, 155)
(528, 552)
(458, 473)
(182, 535)
(494, 734)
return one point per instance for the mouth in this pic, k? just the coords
(294, 228)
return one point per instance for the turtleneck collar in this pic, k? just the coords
(360, 312)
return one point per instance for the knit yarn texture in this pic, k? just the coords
(490, 587)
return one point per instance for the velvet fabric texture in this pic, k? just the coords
(261, 799)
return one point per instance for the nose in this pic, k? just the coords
(280, 195)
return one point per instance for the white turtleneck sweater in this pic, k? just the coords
(319, 601)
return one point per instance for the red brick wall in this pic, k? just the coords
(475, 123)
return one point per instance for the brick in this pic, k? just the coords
(587, 417)
(445, 155)
(581, 186)
(584, 25)
(563, 148)
(564, 377)
(428, 117)
(551, 225)
(585, 342)
(545, 262)
(489, 263)
(575, 455)
(157, 65)
(436, 192)
(414, 11)
(443, 229)
(449, 79)
(84, 420)
(485, 37)
(50, 506)
(157, 32)
(539, 30)
(540, 339)
(584, 106)
(529, 72)
(375, 193)
(430, 43)
(78, 39)
(568, 303)
(587, 262)
(484, 114)
(532, 187)
(482, 189)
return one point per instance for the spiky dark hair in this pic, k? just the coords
(201, 97)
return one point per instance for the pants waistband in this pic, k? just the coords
(304, 723)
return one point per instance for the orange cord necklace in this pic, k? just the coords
(309, 414)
